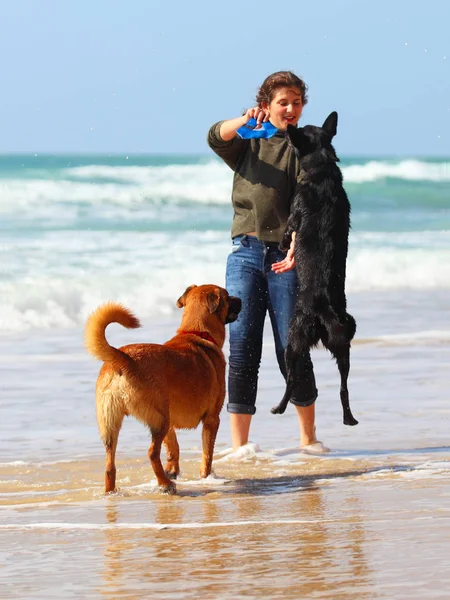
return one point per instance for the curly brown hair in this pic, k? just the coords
(280, 79)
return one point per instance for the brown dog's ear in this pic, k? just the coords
(182, 299)
(213, 301)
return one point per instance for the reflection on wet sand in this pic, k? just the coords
(277, 526)
(301, 559)
(116, 547)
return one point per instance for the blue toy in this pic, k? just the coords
(267, 130)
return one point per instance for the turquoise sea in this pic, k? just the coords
(77, 230)
(370, 520)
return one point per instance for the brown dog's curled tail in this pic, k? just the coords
(95, 339)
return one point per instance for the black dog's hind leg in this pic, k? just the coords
(300, 380)
(289, 361)
(342, 355)
(281, 407)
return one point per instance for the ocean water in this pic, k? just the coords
(78, 230)
(371, 519)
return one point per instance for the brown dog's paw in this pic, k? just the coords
(168, 490)
(204, 473)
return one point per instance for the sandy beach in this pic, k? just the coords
(371, 519)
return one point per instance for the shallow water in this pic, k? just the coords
(371, 519)
(334, 529)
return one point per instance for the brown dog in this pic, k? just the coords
(171, 386)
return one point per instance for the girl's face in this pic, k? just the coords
(285, 108)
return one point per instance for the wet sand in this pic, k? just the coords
(369, 520)
(326, 528)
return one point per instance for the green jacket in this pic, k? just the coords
(265, 175)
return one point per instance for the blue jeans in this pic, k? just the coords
(249, 277)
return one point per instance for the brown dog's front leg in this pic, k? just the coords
(209, 433)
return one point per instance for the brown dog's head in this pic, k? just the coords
(217, 300)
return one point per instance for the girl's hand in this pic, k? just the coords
(284, 265)
(287, 263)
(228, 128)
(257, 113)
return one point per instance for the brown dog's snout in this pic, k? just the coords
(234, 308)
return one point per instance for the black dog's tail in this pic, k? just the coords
(281, 407)
(340, 330)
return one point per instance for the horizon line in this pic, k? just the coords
(141, 154)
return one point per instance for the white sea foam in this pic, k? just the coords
(420, 471)
(45, 493)
(401, 240)
(386, 517)
(57, 283)
(158, 526)
(414, 170)
(149, 175)
(127, 186)
(394, 269)
(211, 481)
(410, 170)
(288, 457)
(407, 339)
(250, 452)
(207, 183)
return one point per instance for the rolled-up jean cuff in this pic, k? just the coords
(241, 409)
(303, 403)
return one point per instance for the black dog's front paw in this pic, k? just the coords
(285, 244)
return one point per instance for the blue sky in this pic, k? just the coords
(149, 76)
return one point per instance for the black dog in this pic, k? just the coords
(320, 218)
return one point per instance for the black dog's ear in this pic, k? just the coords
(182, 299)
(330, 124)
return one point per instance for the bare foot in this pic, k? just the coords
(314, 448)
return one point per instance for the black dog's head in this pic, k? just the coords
(310, 138)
